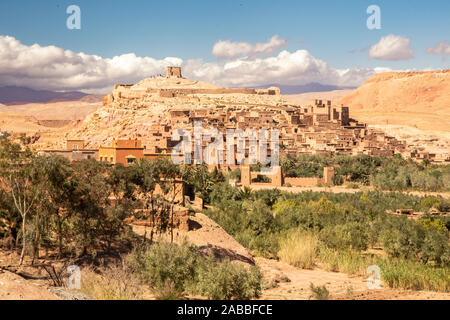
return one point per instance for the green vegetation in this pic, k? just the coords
(386, 173)
(338, 229)
(172, 270)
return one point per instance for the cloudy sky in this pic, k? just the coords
(227, 42)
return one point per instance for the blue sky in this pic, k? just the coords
(332, 31)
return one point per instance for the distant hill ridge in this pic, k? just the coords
(13, 95)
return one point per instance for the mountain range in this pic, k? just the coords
(13, 95)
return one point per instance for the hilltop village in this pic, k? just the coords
(137, 121)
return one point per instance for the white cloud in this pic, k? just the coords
(57, 69)
(442, 48)
(295, 68)
(392, 48)
(229, 50)
(53, 68)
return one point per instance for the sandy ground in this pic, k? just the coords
(339, 285)
(15, 287)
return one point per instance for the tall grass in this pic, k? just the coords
(346, 261)
(409, 275)
(299, 248)
(395, 273)
(114, 283)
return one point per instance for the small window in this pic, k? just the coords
(131, 160)
(75, 147)
(111, 159)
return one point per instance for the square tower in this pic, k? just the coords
(173, 72)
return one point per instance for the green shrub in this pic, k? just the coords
(351, 235)
(402, 237)
(226, 281)
(165, 266)
(431, 202)
(173, 270)
(435, 248)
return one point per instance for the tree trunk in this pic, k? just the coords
(22, 254)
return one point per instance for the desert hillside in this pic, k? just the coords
(417, 99)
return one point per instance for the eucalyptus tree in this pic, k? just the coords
(19, 176)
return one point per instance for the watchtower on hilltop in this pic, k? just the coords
(173, 72)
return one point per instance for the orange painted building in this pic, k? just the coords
(125, 152)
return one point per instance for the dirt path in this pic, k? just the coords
(340, 286)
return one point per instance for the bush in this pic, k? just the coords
(435, 248)
(173, 270)
(431, 202)
(227, 281)
(402, 237)
(351, 235)
(166, 266)
(299, 248)
(114, 283)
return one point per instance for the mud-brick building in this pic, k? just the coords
(125, 152)
(75, 151)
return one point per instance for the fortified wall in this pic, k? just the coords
(277, 179)
(131, 92)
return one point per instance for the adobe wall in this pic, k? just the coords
(105, 154)
(303, 182)
(74, 144)
(130, 143)
(246, 178)
(328, 173)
